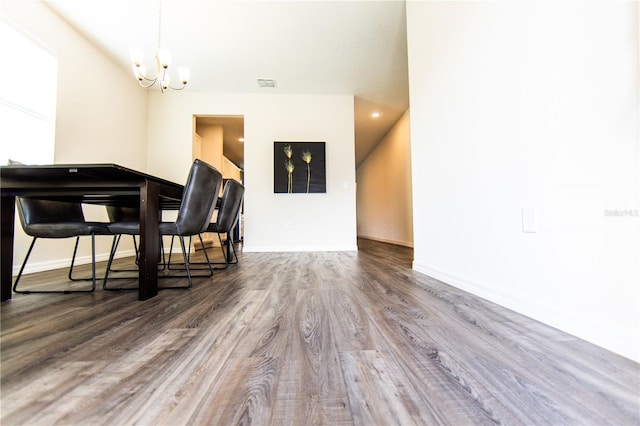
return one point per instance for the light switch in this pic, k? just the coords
(529, 220)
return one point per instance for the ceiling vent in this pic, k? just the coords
(266, 82)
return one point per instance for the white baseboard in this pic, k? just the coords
(592, 328)
(389, 241)
(33, 267)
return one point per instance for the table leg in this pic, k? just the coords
(7, 206)
(149, 241)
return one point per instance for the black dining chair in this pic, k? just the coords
(56, 219)
(123, 214)
(196, 208)
(228, 217)
(128, 214)
(228, 214)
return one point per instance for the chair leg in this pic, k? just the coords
(189, 275)
(93, 262)
(15, 284)
(112, 253)
(73, 259)
(180, 266)
(186, 259)
(224, 253)
(116, 239)
(116, 242)
(171, 254)
(135, 247)
(231, 249)
(188, 256)
(206, 256)
(186, 263)
(164, 261)
(208, 263)
(75, 249)
(228, 252)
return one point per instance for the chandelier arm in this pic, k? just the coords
(152, 82)
(177, 88)
(144, 77)
(140, 75)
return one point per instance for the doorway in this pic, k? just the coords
(219, 141)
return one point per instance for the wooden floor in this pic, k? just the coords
(298, 339)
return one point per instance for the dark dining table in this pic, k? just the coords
(101, 184)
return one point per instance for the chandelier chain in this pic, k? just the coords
(159, 23)
(162, 60)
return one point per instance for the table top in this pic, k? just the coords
(105, 184)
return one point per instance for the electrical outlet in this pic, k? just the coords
(529, 220)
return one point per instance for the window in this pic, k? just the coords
(27, 98)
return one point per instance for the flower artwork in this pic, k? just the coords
(306, 157)
(299, 167)
(288, 164)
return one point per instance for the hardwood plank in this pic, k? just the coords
(243, 393)
(300, 338)
(268, 335)
(313, 389)
(351, 322)
(373, 394)
(185, 387)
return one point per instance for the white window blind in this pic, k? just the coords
(28, 83)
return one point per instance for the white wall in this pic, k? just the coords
(230, 170)
(273, 222)
(212, 145)
(384, 205)
(101, 116)
(530, 104)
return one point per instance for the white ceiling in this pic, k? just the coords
(309, 47)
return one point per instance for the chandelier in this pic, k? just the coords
(162, 61)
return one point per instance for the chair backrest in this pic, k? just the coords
(32, 212)
(199, 198)
(123, 214)
(229, 205)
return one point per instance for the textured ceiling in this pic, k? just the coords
(309, 47)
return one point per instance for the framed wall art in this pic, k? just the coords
(299, 167)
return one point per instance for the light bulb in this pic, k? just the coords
(164, 58)
(184, 74)
(137, 56)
